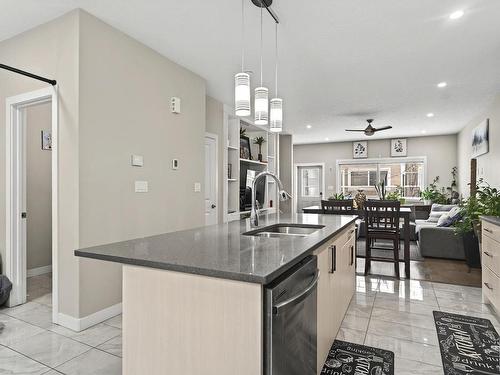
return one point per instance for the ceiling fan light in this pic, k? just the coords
(276, 115)
(261, 106)
(242, 94)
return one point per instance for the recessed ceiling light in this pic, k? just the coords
(442, 84)
(457, 14)
(327, 139)
(308, 126)
(424, 131)
(430, 114)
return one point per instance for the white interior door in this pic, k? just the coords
(210, 180)
(309, 186)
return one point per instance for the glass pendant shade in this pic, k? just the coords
(261, 106)
(242, 94)
(276, 115)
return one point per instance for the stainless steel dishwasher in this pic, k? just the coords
(290, 321)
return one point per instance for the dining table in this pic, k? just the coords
(405, 213)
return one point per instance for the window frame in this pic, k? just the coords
(303, 186)
(377, 162)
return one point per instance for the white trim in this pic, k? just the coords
(80, 324)
(215, 137)
(39, 271)
(296, 179)
(408, 159)
(16, 257)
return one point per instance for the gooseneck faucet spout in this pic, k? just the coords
(282, 195)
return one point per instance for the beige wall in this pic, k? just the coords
(286, 169)
(487, 164)
(215, 120)
(38, 188)
(50, 50)
(125, 91)
(441, 152)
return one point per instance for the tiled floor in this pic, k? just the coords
(397, 315)
(385, 313)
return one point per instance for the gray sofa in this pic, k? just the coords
(438, 242)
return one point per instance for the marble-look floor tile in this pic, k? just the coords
(52, 372)
(463, 306)
(38, 315)
(402, 305)
(468, 296)
(408, 367)
(19, 309)
(404, 332)
(455, 288)
(492, 318)
(355, 322)
(93, 362)
(359, 310)
(113, 346)
(13, 363)
(12, 329)
(92, 336)
(406, 349)
(49, 348)
(424, 298)
(403, 317)
(351, 335)
(35, 293)
(115, 321)
(46, 299)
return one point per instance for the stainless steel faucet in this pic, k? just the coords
(282, 195)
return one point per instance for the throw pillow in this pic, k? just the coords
(450, 218)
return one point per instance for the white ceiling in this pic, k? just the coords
(341, 61)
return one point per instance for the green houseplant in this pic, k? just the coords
(432, 193)
(259, 141)
(336, 197)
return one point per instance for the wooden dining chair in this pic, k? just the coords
(335, 206)
(382, 223)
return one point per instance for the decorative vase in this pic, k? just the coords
(360, 199)
(260, 157)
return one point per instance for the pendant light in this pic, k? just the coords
(242, 80)
(276, 102)
(261, 93)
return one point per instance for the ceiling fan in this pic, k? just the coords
(369, 130)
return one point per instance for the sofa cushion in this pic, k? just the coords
(449, 218)
(438, 210)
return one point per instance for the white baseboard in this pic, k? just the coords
(79, 324)
(39, 271)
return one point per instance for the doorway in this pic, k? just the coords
(31, 197)
(211, 178)
(309, 179)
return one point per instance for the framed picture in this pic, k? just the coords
(399, 147)
(360, 150)
(481, 139)
(245, 151)
(46, 140)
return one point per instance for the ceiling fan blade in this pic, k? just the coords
(383, 128)
(354, 130)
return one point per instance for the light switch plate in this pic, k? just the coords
(197, 187)
(141, 187)
(137, 161)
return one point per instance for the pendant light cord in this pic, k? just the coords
(261, 41)
(242, 36)
(276, 61)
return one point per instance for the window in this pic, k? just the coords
(310, 182)
(406, 175)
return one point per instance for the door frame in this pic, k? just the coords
(215, 137)
(15, 253)
(296, 180)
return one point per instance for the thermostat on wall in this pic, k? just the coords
(175, 104)
(175, 163)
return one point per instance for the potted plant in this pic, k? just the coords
(396, 195)
(259, 141)
(336, 197)
(485, 202)
(432, 194)
(381, 190)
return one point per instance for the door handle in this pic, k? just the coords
(333, 266)
(213, 206)
(488, 286)
(352, 255)
(487, 254)
(488, 230)
(23, 215)
(299, 297)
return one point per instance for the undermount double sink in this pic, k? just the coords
(279, 230)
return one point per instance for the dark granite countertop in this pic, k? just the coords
(222, 250)
(491, 219)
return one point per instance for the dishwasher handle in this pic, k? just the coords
(298, 297)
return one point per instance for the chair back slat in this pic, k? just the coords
(334, 206)
(382, 215)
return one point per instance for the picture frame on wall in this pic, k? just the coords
(360, 150)
(46, 136)
(245, 149)
(399, 147)
(481, 139)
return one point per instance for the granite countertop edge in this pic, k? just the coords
(218, 273)
(491, 219)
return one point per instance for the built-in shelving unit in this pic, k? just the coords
(234, 163)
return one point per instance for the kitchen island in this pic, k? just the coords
(193, 300)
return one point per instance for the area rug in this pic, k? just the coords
(468, 345)
(389, 253)
(346, 358)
